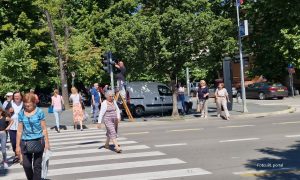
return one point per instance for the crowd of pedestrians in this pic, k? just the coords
(221, 99)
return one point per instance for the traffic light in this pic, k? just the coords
(106, 63)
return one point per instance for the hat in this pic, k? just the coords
(9, 94)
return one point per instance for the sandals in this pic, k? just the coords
(106, 146)
(118, 150)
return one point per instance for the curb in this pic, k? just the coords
(182, 119)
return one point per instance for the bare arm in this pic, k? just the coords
(45, 133)
(19, 134)
(10, 122)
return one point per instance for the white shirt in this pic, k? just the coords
(104, 108)
(75, 98)
(223, 92)
(17, 109)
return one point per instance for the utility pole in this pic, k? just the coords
(245, 110)
(188, 81)
(63, 77)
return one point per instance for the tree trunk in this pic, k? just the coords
(174, 95)
(63, 78)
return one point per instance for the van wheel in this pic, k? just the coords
(139, 111)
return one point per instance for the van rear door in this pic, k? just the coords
(166, 97)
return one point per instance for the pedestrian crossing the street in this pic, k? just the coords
(80, 155)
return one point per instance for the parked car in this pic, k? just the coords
(151, 97)
(265, 90)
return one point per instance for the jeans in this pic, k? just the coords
(122, 88)
(35, 172)
(182, 99)
(95, 111)
(3, 144)
(57, 114)
(13, 137)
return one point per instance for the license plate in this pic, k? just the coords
(280, 90)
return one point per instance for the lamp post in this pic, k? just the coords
(73, 77)
(241, 58)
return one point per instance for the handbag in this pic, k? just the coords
(34, 146)
(62, 104)
(50, 109)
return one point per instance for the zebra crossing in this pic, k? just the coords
(79, 155)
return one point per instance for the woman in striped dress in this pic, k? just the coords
(110, 116)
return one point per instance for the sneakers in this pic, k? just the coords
(218, 115)
(5, 165)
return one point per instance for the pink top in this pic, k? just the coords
(56, 102)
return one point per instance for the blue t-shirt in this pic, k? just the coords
(32, 128)
(96, 95)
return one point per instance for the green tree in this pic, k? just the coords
(17, 68)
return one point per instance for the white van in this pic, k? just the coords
(150, 97)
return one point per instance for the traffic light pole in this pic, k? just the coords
(245, 110)
(111, 72)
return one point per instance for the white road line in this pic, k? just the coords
(103, 167)
(99, 158)
(87, 151)
(78, 134)
(292, 136)
(157, 175)
(135, 133)
(236, 140)
(76, 138)
(169, 145)
(237, 126)
(71, 131)
(282, 123)
(81, 142)
(182, 130)
(90, 145)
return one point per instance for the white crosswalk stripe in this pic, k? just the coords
(80, 155)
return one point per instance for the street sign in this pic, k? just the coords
(290, 66)
(291, 70)
(244, 28)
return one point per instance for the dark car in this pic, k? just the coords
(265, 90)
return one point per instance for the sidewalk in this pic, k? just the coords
(256, 108)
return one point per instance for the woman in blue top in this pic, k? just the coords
(32, 137)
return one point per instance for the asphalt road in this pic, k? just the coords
(264, 148)
(245, 148)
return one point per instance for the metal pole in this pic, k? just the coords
(188, 81)
(291, 83)
(111, 73)
(241, 59)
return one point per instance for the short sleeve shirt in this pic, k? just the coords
(96, 95)
(202, 92)
(32, 128)
(223, 92)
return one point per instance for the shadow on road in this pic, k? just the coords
(285, 164)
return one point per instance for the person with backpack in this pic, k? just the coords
(5, 123)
